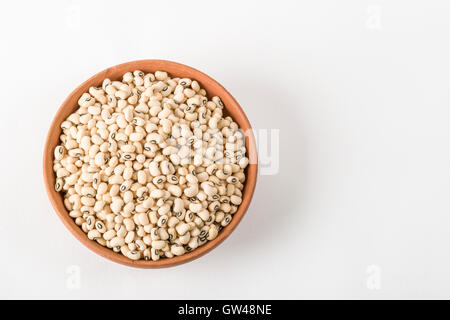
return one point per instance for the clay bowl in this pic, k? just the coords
(213, 88)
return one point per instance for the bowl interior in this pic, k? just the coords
(213, 88)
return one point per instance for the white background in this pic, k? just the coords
(359, 90)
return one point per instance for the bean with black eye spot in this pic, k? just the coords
(162, 221)
(215, 197)
(232, 179)
(100, 227)
(90, 220)
(134, 255)
(59, 184)
(226, 220)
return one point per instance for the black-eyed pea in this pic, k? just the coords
(147, 240)
(214, 206)
(211, 219)
(129, 238)
(182, 228)
(132, 246)
(227, 219)
(172, 234)
(195, 207)
(148, 203)
(143, 219)
(102, 188)
(140, 158)
(177, 250)
(161, 75)
(147, 254)
(181, 215)
(133, 255)
(153, 216)
(219, 216)
(155, 254)
(122, 231)
(59, 152)
(100, 226)
(201, 241)
(90, 222)
(202, 196)
(84, 227)
(158, 244)
(174, 190)
(199, 222)
(222, 189)
(129, 224)
(203, 214)
(114, 191)
(117, 241)
(189, 217)
(162, 221)
(67, 204)
(240, 186)
(59, 184)
(62, 172)
(236, 200)
(94, 234)
(213, 232)
(191, 190)
(172, 222)
(124, 249)
(225, 207)
(159, 180)
(193, 243)
(140, 245)
(109, 235)
(75, 213)
(116, 205)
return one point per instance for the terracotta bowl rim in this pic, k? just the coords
(56, 199)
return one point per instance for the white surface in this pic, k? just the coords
(359, 91)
